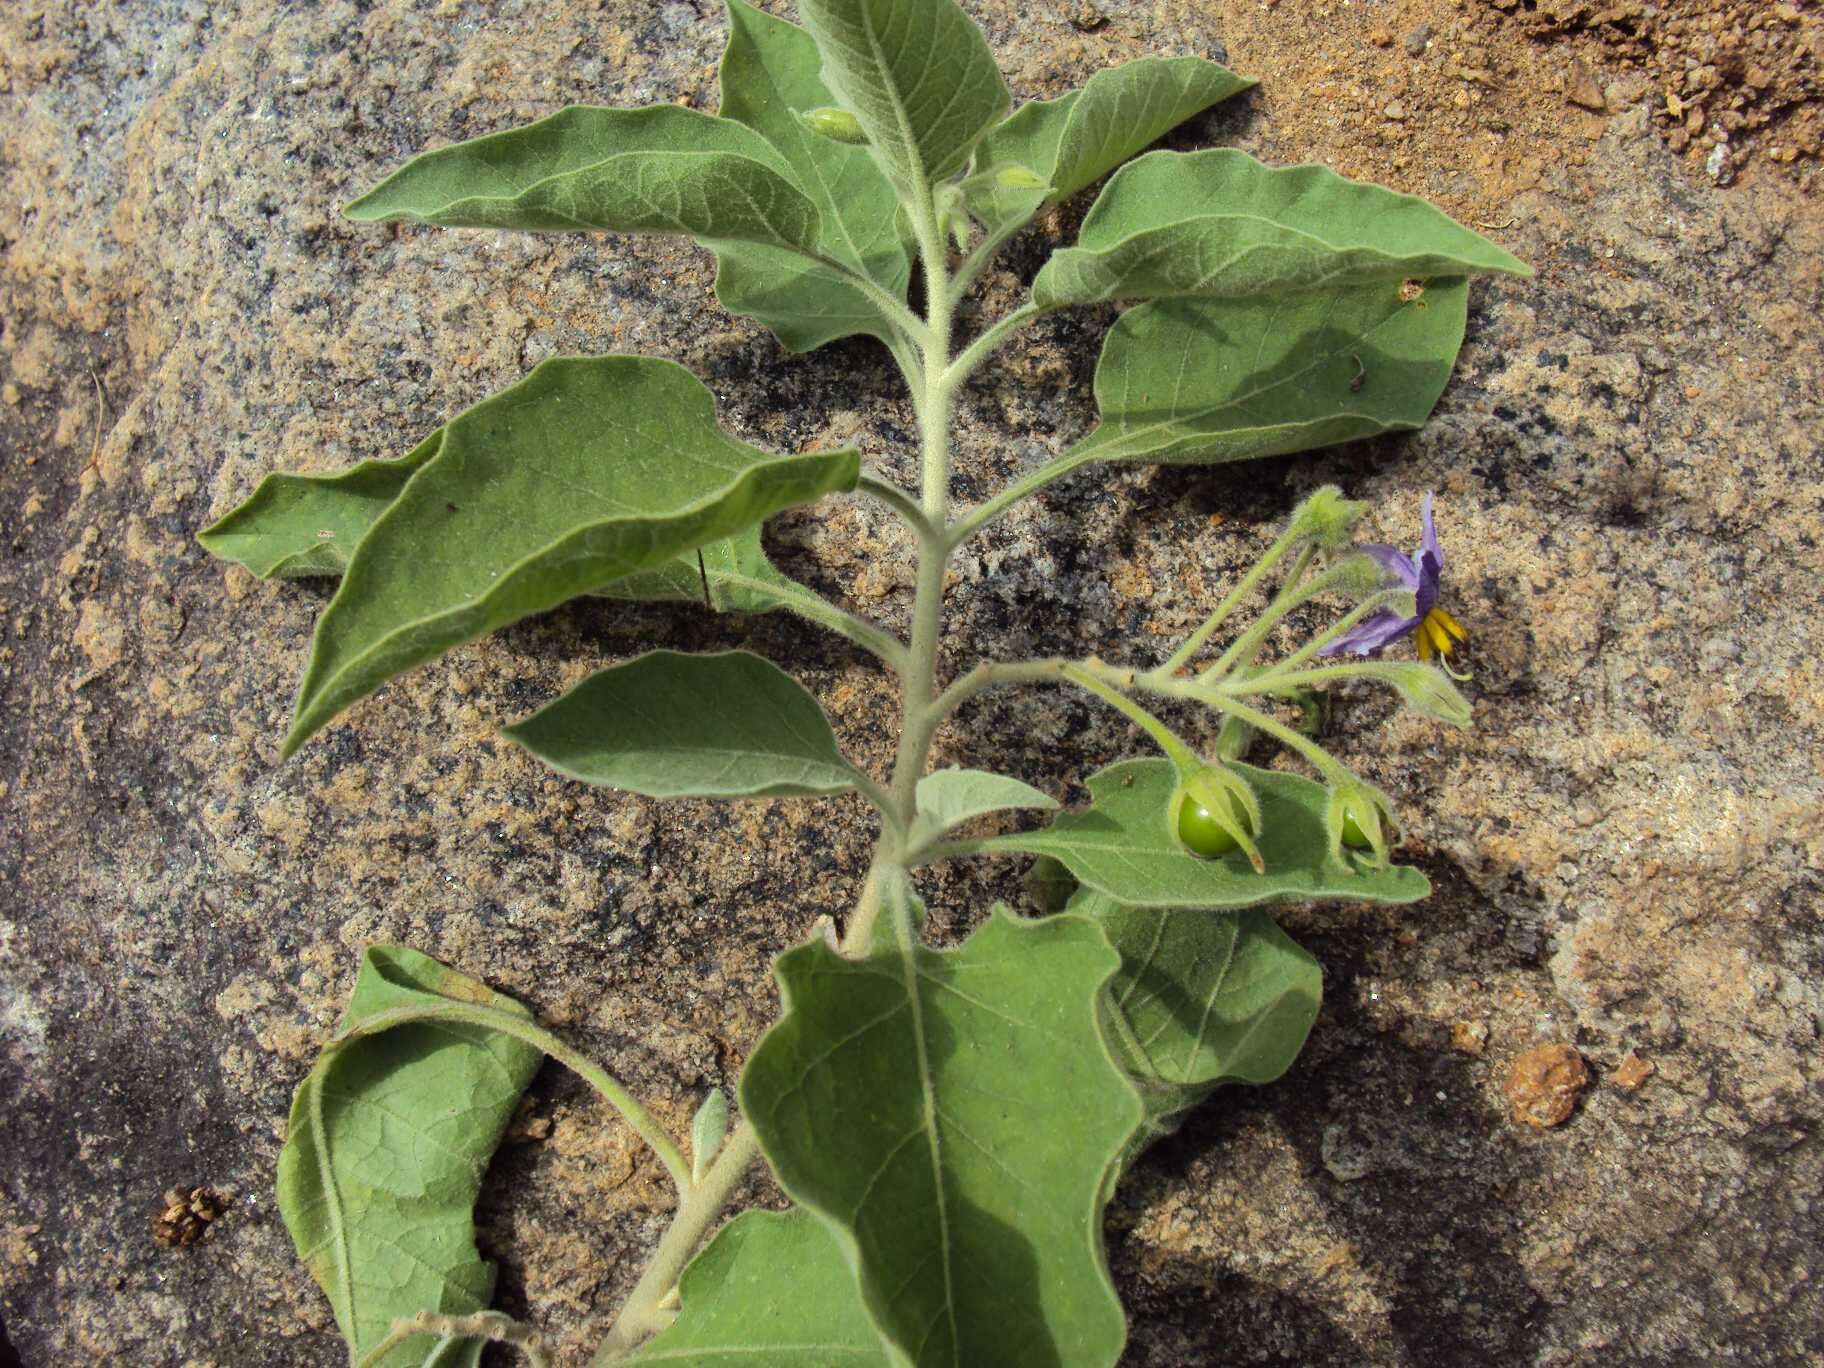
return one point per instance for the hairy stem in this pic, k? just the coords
(934, 404)
(1232, 600)
(997, 333)
(868, 635)
(933, 383)
(1182, 756)
(642, 1316)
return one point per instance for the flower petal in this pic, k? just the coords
(1430, 545)
(1394, 561)
(1373, 635)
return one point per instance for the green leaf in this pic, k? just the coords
(770, 1291)
(769, 77)
(951, 1116)
(804, 303)
(1073, 141)
(1122, 845)
(949, 797)
(918, 76)
(1203, 999)
(663, 169)
(1187, 381)
(741, 578)
(1220, 225)
(389, 1137)
(585, 472)
(303, 525)
(298, 525)
(671, 725)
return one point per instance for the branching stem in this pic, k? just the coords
(642, 1315)
(864, 632)
(897, 499)
(1244, 586)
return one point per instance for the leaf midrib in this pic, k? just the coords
(909, 980)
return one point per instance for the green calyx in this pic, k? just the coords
(1327, 518)
(1358, 818)
(1214, 811)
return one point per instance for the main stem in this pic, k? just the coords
(933, 386)
(935, 395)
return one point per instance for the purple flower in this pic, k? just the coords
(1434, 631)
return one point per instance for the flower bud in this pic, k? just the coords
(1429, 692)
(1359, 816)
(708, 1128)
(1327, 518)
(1213, 811)
(838, 125)
(1013, 176)
(953, 215)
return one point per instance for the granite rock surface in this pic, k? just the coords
(1628, 847)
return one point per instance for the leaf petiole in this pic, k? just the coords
(895, 498)
(892, 309)
(635, 1115)
(977, 351)
(1182, 756)
(864, 632)
(643, 1314)
(982, 255)
(1243, 587)
(1032, 482)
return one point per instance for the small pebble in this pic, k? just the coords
(1716, 165)
(1580, 88)
(1631, 1072)
(1543, 1084)
(1346, 1158)
(1395, 110)
(1381, 38)
(1418, 40)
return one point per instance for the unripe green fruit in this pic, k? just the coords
(1199, 831)
(1353, 835)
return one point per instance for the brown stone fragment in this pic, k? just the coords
(1580, 88)
(1543, 1083)
(184, 1214)
(1631, 1072)
(1470, 1037)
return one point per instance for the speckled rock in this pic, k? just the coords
(1628, 847)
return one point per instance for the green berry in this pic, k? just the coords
(1353, 835)
(1199, 831)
